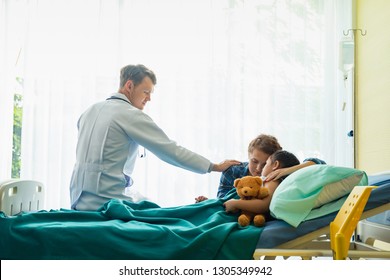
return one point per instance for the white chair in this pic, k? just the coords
(17, 195)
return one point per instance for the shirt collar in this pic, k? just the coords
(121, 96)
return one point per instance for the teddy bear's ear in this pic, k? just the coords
(259, 180)
(236, 182)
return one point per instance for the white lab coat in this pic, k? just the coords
(107, 148)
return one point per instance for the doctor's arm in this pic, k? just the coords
(146, 133)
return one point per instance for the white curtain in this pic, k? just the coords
(226, 72)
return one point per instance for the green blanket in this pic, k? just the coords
(124, 230)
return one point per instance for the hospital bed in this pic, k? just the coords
(311, 238)
(317, 243)
(125, 230)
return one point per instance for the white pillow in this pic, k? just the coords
(333, 191)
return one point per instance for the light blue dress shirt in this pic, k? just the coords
(109, 135)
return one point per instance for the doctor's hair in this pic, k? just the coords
(285, 158)
(136, 73)
(266, 143)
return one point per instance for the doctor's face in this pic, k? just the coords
(140, 94)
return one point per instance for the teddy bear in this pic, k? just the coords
(250, 187)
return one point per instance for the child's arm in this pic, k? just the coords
(257, 206)
(282, 172)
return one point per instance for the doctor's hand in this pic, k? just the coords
(222, 166)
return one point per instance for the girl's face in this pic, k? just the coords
(257, 161)
(268, 168)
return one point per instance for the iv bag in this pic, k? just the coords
(346, 55)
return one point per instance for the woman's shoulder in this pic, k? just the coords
(315, 160)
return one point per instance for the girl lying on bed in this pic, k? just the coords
(278, 160)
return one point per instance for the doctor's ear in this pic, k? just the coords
(130, 85)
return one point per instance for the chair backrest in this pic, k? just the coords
(17, 195)
(344, 224)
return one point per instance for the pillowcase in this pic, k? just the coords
(313, 187)
(379, 178)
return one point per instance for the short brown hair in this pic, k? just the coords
(265, 143)
(136, 73)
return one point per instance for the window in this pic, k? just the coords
(17, 131)
(226, 71)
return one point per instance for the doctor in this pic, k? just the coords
(109, 133)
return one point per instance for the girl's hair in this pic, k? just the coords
(265, 143)
(286, 159)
